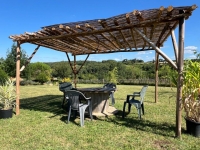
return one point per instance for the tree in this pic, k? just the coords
(40, 72)
(10, 61)
(113, 76)
(61, 69)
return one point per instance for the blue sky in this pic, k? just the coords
(19, 16)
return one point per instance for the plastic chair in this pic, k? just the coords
(78, 102)
(139, 104)
(111, 85)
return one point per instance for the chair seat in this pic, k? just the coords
(134, 101)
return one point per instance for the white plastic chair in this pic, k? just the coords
(78, 101)
(139, 104)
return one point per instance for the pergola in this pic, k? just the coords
(130, 32)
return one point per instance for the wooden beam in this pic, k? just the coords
(98, 42)
(83, 63)
(160, 11)
(29, 59)
(169, 10)
(128, 20)
(70, 63)
(157, 49)
(18, 78)
(92, 28)
(108, 29)
(138, 14)
(156, 75)
(75, 72)
(174, 45)
(162, 33)
(104, 25)
(120, 31)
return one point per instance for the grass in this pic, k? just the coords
(42, 124)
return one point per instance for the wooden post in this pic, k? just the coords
(156, 76)
(75, 71)
(180, 78)
(17, 77)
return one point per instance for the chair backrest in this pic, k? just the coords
(142, 93)
(75, 98)
(65, 86)
(110, 85)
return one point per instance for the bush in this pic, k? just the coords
(3, 77)
(28, 82)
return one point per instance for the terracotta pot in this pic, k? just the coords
(192, 127)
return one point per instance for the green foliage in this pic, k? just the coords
(60, 69)
(7, 94)
(3, 76)
(40, 72)
(113, 76)
(66, 80)
(10, 61)
(191, 90)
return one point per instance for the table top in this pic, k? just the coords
(96, 89)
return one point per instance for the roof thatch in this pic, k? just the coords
(114, 34)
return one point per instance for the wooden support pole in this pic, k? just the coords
(156, 48)
(174, 45)
(156, 76)
(75, 71)
(180, 77)
(83, 63)
(17, 77)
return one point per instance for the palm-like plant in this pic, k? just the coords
(7, 95)
(191, 90)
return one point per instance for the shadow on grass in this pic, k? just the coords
(48, 103)
(142, 125)
(53, 104)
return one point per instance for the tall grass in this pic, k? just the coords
(42, 123)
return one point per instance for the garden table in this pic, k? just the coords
(100, 100)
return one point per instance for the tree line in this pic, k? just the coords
(109, 70)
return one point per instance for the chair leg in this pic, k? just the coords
(142, 108)
(139, 113)
(129, 107)
(124, 108)
(69, 114)
(90, 111)
(82, 113)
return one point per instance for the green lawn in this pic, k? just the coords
(42, 124)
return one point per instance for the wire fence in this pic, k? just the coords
(161, 82)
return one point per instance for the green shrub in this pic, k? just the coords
(3, 77)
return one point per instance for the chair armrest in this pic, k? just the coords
(136, 94)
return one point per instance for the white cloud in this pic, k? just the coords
(144, 52)
(190, 49)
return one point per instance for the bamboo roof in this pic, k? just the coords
(114, 34)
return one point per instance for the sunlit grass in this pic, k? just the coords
(42, 123)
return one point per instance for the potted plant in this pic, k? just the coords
(191, 97)
(7, 99)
